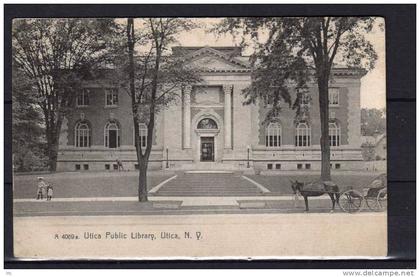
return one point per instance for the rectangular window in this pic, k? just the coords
(275, 141)
(307, 166)
(299, 166)
(82, 99)
(337, 166)
(107, 167)
(305, 99)
(136, 166)
(267, 100)
(302, 141)
(77, 166)
(143, 135)
(86, 167)
(270, 166)
(115, 166)
(111, 97)
(334, 140)
(278, 166)
(333, 96)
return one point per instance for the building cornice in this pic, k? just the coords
(243, 67)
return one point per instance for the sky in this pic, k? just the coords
(373, 88)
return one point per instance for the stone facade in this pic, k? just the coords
(232, 135)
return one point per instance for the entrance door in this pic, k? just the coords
(207, 149)
(112, 139)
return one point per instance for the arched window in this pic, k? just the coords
(334, 133)
(143, 134)
(207, 123)
(82, 134)
(273, 135)
(112, 135)
(303, 135)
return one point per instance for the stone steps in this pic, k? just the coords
(209, 184)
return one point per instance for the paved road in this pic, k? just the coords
(191, 205)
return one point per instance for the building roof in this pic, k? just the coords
(372, 140)
(380, 138)
(230, 61)
(233, 55)
(368, 140)
(234, 51)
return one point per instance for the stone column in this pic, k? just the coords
(228, 116)
(187, 117)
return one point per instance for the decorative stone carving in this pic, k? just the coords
(207, 123)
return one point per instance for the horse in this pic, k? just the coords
(317, 188)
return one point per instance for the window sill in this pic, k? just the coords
(82, 106)
(111, 107)
(334, 106)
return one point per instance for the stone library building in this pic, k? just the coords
(210, 128)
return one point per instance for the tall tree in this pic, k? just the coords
(373, 122)
(152, 77)
(28, 140)
(317, 42)
(57, 54)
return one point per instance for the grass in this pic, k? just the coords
(123, 184)
(85, 185)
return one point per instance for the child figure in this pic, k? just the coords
(49, 192)
(41, 188)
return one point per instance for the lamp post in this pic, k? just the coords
(167, 157)
(247, 165)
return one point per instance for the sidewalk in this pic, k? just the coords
(170, 206)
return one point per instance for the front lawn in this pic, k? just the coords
(84, 185)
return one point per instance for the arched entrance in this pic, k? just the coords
(207, 146)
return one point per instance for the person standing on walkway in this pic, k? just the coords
(49, 192)
(41, 188)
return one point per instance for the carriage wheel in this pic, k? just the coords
(382, 200)
(373, 204)
(351, 201)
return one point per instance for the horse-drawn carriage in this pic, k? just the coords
(349, 199)
(375, 196)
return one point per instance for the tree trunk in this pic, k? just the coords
(142, 160)
(324, 116)
(143, 180)
(53, 135)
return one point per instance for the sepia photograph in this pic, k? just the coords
(199, 138)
